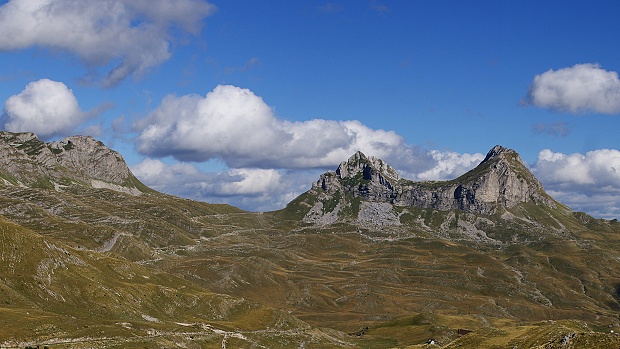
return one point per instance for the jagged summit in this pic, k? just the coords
(27, 161)
(496, 151)
(360, 176)
(91, 158)
(500, 182)
(499, 153)
(366, 166)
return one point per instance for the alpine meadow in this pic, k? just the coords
(364, 174)
(91, 257)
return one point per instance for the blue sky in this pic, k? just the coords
(247, 102)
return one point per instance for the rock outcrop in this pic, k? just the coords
(363, 176)
(26, 160)
(501, 181)
(90, 158)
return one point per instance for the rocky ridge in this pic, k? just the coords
(27, 161)
(83, 267)
(500, 182)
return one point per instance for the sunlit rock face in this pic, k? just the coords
(501, 180)
(91, 158)
(25, 160)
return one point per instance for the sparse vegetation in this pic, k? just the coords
(82, 267)
(330, 203)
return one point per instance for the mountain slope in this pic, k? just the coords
(76, 160)
(52, 294)
(366, 191)
(74, 269)
(355, 254)
(500, 181)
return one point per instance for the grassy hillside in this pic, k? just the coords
(52, 294)
(83, 267)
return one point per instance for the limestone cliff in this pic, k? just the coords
(501, 181)
(26, 160)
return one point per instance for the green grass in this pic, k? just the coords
(97, 263)
(330, 204)
(83, 294)
(357, 180)
(12, 180)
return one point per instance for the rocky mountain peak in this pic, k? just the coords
(500, 154)
(26, 160)
(90, 158)
(366, 167)
(500, 182)
(497, 151)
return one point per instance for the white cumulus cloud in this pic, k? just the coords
(156, 172)
(577, 89)
(238, 127)
(249, 182)
(586, 182)
(449, 165)
(45, 107)
(598, 169)
(270, 160)
(247, 188)
(134, 32)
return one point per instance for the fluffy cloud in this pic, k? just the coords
(271, 160)
(235, 125)
(589, 182)
(161, 176)
(249, 182)
(238, 127)
(581, 88)
(251, 189)
(600, 205)
(135, 32)
(448, 165)
(597, 169)
(45, 107)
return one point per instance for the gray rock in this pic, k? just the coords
(91, 159)
(500, 181)
(26, 160)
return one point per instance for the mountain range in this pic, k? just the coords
(91, 257)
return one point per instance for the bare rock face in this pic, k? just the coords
(23, 155)
(363, 176)
(26, 160)
(500, 181)
(90, 158)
